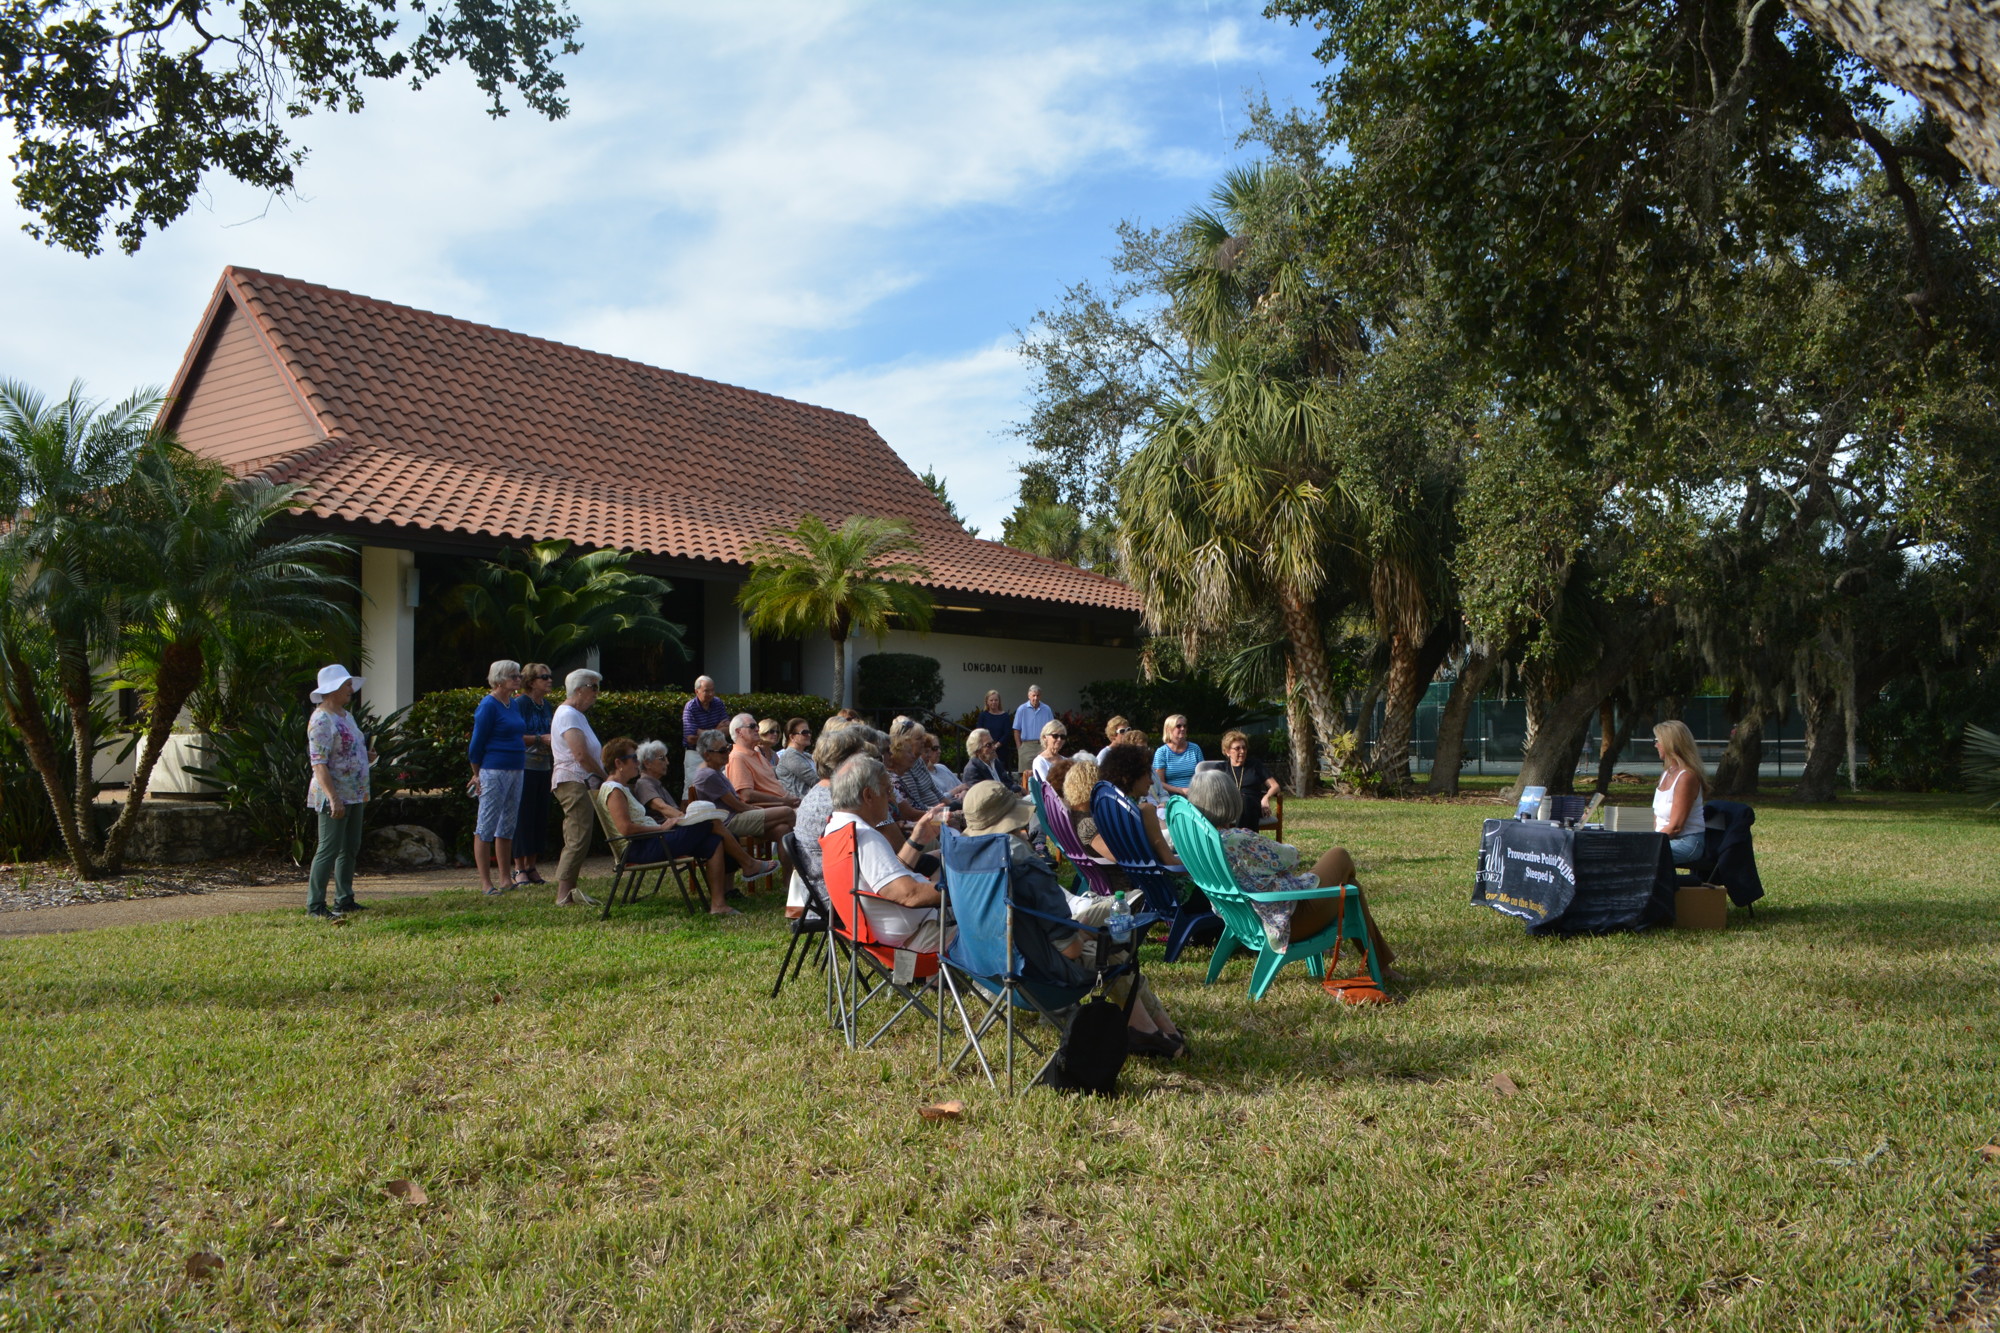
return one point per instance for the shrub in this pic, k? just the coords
(904, 682)
(261, 766)
(438, 726)
(1148, 702)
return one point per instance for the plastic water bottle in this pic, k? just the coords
(1120, 924)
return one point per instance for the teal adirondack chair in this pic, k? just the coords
(1200, 848)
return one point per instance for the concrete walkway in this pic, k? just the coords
(253, 898)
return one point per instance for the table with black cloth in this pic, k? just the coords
(1562, 881)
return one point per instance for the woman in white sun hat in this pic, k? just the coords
(340, 757)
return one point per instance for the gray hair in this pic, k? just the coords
(977, 738)
(853, 780)
(712, 739)
(902, 723)
(581, 679)
(1216, 796)
(649, 751)
(499, 671)
(700, 681)
(740, 721)
(837, 747)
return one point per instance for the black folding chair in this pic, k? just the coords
(630, 876)
(808, 932)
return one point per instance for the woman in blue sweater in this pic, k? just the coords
(498, 754)
(536, 714)
(1175, 762)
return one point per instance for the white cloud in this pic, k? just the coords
(947, 413)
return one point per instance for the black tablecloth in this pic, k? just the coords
(1574, 881)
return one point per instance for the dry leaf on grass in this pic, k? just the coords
(409, 1191)
(203, 1265)
(1503, 1085)
(1990, 1151)
(496, 997)
(942, 1111)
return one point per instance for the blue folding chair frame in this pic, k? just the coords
(1119, 825)
(977, 885)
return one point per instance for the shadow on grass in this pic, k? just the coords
(1912, 925)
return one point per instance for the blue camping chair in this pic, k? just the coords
(1119, 825)
(981, 962)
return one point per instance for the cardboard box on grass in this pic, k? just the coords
(1703, 907)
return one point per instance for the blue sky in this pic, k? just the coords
(850, 204)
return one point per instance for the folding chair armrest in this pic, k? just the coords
(1059, 920)
(1298, 895)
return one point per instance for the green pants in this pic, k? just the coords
(339, 844)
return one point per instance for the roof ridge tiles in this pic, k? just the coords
(495, 333)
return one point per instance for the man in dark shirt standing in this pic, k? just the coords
(703, 712)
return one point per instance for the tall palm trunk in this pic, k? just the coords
(1299, 726)
(1314, 677)
(1413, 662)
(179, 677)
(1465, 692)
(839, 637)
(24, 709)
(74, 679)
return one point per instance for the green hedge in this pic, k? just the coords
(909, 682)
(439, 726)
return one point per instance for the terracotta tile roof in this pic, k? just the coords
(434, 422)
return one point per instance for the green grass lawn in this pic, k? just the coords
(1774, 1127)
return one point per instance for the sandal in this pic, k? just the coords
(727, 911)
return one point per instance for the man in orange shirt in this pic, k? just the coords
(750, 769)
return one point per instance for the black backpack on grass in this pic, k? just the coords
(1093, 1050)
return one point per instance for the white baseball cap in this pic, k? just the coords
(332, 678)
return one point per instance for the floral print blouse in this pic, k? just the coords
(333, 739)
(1264, 866)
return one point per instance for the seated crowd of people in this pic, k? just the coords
(752, 781)
(889, 786)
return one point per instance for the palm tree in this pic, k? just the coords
(812, 579)
(1058, 532)
(1231, 506)
(555, 607)
(201, 570)
(61, 466)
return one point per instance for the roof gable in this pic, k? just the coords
(421, 419)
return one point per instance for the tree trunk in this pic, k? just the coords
(1411, 669)
(1826, 746)
(1736, 772)
(1550, 758)
(1614, 733)
(1465, 692)
(24, 707)
(75, 679)
(180, 676)
(839, 672)
(1315, 679)
(1299, 726)
(1564, 782)
(1947, 55)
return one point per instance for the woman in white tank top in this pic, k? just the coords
(1677, 801)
